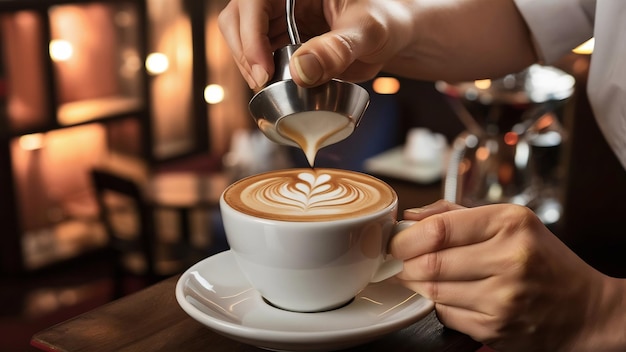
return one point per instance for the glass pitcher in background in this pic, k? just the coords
(510, 150)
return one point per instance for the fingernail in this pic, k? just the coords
(309, 68)
(259, 75)
(415, 210)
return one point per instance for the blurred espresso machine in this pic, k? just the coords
(510, 151)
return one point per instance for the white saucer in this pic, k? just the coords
(215, 293)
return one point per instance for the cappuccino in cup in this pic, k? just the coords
(310, 239)
(309, 195)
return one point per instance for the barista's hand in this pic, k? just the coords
(499, 275)
(348, 39)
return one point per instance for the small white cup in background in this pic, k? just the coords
(423, 147)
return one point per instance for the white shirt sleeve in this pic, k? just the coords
(606, 86)
(558, 26)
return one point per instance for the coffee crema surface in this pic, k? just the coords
(319, 194)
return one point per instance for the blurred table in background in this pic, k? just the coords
(180, 189)
(186, 192)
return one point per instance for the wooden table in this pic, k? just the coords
(152, 320)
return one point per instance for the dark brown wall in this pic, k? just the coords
(595, 194)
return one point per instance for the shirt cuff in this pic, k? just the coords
(557, 26)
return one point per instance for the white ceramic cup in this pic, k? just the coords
(314, 263)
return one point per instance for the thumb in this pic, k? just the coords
(324, 57)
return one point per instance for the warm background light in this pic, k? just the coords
(585, 48)
(213, 94)
(60, 50)
(386, 85)
(482, 83)
(31, 141)
(545, 121)
(157, 63)
(131, 63)
(482, 153)
(511, 138)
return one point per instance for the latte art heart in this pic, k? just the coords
(313, 194)
(309, 194)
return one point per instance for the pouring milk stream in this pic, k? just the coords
(312, 130)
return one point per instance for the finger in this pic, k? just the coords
(439, 206)
(228, 22)
(478, 326)
(361, 35)
(461, 227)
(256, 17)
(483, 296)
(473, 262)
(331, 54)
(513, 333)
(244, 25)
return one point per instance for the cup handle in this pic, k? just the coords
(391, 266)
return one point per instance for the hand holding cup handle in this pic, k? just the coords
(392, 266)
